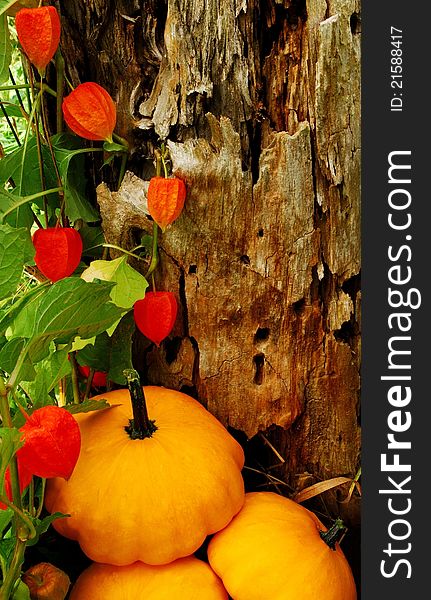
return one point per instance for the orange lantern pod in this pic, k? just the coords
(52, 442)
(166, 197)
(90, 112)
(39, 32)
(99, 377)
(58, 251)
(155, 315)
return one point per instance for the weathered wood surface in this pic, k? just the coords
(260, 104)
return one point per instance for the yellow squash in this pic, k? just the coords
(273, 550)
(184, 579)
(153, 499)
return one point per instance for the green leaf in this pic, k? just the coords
(93, 239)
(97, 355)
(111, 354)
(11, 203)
(12, 320)
(87, 406)
(5, 49)
(70, 307)
(48, 373)
(130, 285)
(121, 349)
(21, 592)
(5, 518)
(6, 548)
(113, 147)
(66, 148)
(13, 110)
(5, 5)
(9, 356)
(16, 249)
(10, 442)
(78, 343)
(42, 525)
(10, 167)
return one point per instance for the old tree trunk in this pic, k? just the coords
(259, 103)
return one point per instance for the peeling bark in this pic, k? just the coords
(259, 102)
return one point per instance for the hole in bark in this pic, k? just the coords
(352, 286)
(261, 335)
(346, 333)
(261, 233)
(355, 23)
(258, 361)
(190, 390)
(172, 347)
(275, 16)
(299, 306)
(193, 269)
(254, 131)
(245, 260)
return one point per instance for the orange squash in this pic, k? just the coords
(153, 499)
(184, 579)
(276, 549)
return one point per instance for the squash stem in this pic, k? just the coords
(334, 533)
(141, 426)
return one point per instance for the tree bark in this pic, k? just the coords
(259, 102)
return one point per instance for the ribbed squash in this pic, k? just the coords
(184, 579)
(275, 549)
(153, 499)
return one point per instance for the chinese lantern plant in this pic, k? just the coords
(155, 315)
(148, 488)
(99, 377)
(47, 445)
(52, 442)
(275, 548)
(184, 579)
(90, 112)
(166, 197)
(39, 32)
(58, 251)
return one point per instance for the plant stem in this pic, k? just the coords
(23, 527)
(26, 66)
(75, 383)
(27, 133)
(14, 570)
(53, 157)
(59, 64)
(120, 250)
(13, 378)
(88, 384)
(7, 422)
(121, 140)
(9, 88)
(154, 257)
(24, 518)
(26, 199)
(334, 533)
(10, 124)
(122, 169)
(18, 95)
(41, 169)
(42, 495)
(140, 427)
(27, 86)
